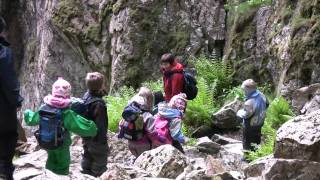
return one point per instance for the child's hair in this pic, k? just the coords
(95, 83)
(158, 97)
(148, 96)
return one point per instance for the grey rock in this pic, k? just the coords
(205, 145)
(273, 168)
(223, 140)
(164, 161)
(299, 143)
(213, 166)
(301, 101)
(226, 118)
(202, 131)
(229, 175)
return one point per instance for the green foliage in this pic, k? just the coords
(243, 7)
(278, 113)
(116, 104)
(154, 85)
(235, 92)
(200, 109)
(216, 74)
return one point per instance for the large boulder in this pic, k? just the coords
(226, 117)
(301, 97)
(164, 161)
(284, 169)
(117, 171)
(299, 138)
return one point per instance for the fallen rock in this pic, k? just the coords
(226, 117)
(230, 156)
(302, 95)
(115, 172)
(194, 175)
(223, 140)
(213, 166)
(202, 131)
(230, 175)
(284, 169)
(164, 161)
(205, 145)
(299, 143)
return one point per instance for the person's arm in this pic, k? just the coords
(31, 118)
(8, 79)
(78, 124)
(247, 111)
(177, 83)
(175, 130)
(100, 117)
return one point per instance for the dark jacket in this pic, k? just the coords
(10, 98)
(97, 113)
(173, 81)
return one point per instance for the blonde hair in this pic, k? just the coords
(95, 82)
(144, 97)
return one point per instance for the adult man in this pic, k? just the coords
(10, 101)
(173, 78)
(253, 114)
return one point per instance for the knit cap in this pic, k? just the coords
(179, 101)
(61, 88)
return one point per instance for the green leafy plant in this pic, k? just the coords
(242, 7)
(215, 72)
(200, 109)
(116, 104)
(154, 85)
(278, 113)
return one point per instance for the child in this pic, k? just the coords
(94, 159)
(144, 99)
(167, 125)
(59, 101)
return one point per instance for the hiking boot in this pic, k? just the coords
(87, 171)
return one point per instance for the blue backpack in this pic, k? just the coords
(51, 132)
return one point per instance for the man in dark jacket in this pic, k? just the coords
(172, 76)
(94, 159)
(10, 101)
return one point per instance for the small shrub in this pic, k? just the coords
(115, 106)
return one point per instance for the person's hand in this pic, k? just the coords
(186, 140)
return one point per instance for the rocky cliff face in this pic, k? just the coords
(278, 43)
(124, 40)
(120, 38)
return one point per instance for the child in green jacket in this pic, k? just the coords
(59, 159)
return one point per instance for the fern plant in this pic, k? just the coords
(115, 105)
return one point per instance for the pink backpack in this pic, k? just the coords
(157, 129)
